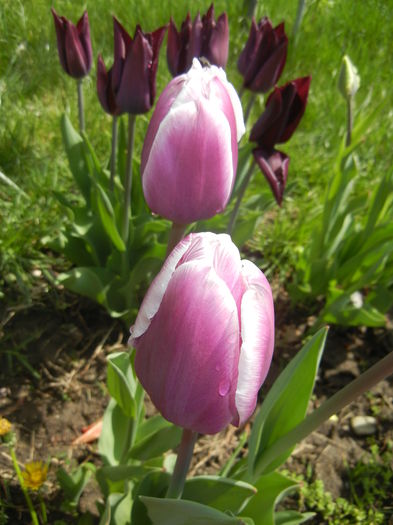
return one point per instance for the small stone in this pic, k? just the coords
(364, 425)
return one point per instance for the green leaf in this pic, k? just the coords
(121, 382)
(113, 439)
(112, 478)
(285, 404)
(154, 437)
(88, 281)
(182, 512)
(108, 218)
(118, 509)
(153, 484)
(74, 484)
(271, 488)
(74, 148)
(227, 495)
(291, 517)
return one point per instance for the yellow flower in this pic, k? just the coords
(34, 474)
(5, 426)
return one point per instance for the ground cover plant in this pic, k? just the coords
(82, 234)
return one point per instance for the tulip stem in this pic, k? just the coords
(33, 514)
(128, 178)
(349, 120)
(183, 461)
(175, 236)
(81, 113)
(114, 151)
(242, 190)
(249, 107)
(299, 17)
(343, 397)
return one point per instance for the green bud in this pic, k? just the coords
(349, 80)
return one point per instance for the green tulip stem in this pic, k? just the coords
(175, 236)
(299, 17)
(182, 465)
(242, 190)
(33, 514)
(349, 120)
(128, 178)
(331, 406)
(81, 113)
(114, 151)
(249, 107)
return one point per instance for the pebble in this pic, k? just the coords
(364, 425)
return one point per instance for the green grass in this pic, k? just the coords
(34, 92)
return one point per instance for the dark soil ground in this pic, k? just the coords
(58, 388)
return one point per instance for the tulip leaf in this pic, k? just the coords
(183, 512)
(155, 436)
(113, 444)
(111, 478)
(153, 484)
(271, 488)
(121, 382)
(108, 218)
(221, 493)
(118, 508)
(74, 147)
(285, 404)
(88, 281)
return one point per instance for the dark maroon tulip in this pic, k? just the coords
(105, 92)
(284, 109)
(203, 38)
(274, 165)
(263, 57)
(74, 45)
(135, 68)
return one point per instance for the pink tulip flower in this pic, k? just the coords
(189, 157)
(204, 335)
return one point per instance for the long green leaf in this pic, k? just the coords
(121, 382)
(285, 404)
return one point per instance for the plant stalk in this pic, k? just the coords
(81, 112)
(114, 151)
(348, 139)
(176, 235)
(183, 461)
(33, 513)
(242, 190)
(343, 397)
(249, 107)
(128, 178)
(299, 17)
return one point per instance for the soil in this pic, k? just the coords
(57, 387)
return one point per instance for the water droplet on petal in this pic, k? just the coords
(223, 387)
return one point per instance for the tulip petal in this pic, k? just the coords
(59, 27)
(75, 55)
(151, 302)
(257, 333)
(274, 165)
(203, 157)
(187, 360)
(84, 37)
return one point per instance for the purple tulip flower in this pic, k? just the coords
(74, 45)
(189, 156)
(263, 58)
(133, 75)
(203, 38)
(105, 93)
(204, 335)
(284, 110)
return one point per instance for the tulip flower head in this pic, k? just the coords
(189, 156)
(205, 37)
(263, 58)
(284, 110)
(105, 93)
(74, 45)
(133, 75)
(204, 335)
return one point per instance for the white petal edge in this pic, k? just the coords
(151, 302)
(257, 331)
